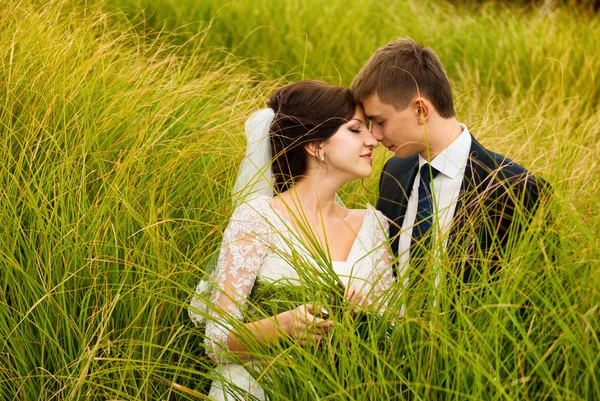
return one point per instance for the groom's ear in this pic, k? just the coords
(422, 109)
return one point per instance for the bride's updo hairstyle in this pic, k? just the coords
(305, 112)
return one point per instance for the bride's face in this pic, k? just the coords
(349, 150)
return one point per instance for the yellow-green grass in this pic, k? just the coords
(120, 143)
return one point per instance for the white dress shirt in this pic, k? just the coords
(451, 163)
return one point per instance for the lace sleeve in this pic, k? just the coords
(382, 276)
(242, 252)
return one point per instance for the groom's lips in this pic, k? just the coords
(391, 148)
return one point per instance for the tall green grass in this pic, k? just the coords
(120, 141)
(117, 155)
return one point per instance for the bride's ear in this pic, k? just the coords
(315, 149)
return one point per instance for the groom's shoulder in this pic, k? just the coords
(397, 165)
(506, 165)
(506, 170)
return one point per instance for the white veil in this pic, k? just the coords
(255, 177)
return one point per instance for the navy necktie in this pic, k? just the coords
(421, 235)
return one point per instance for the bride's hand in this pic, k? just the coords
(357, 300)
(302, 325)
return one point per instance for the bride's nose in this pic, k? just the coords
(370, 141)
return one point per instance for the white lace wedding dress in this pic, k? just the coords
(253, 244)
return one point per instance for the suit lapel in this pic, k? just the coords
(395, 187)
(462, 239)
(477, 171)
(400, 198)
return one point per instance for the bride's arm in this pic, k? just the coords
(299, 324)
(244, 247)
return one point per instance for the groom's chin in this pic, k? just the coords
(404, 151)
(401, 152)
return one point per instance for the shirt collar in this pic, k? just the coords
(453, 159)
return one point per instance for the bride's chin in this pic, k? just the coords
(365, 174)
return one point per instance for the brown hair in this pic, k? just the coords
(400, 70)
(305, 111)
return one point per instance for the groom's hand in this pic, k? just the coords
(357, 300)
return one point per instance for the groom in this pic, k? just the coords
(442, 188)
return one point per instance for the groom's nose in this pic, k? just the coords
(377, 132)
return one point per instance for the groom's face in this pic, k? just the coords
(397, 130)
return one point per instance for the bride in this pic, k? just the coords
(312, 139)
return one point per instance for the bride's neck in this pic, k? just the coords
(313, 196)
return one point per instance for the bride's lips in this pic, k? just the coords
(367, 156)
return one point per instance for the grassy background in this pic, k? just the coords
(122, 127)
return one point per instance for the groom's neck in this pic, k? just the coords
(439, 133)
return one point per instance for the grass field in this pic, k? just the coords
(121, 130)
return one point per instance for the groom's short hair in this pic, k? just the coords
(401, 70)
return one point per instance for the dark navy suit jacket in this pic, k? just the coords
(497, 197)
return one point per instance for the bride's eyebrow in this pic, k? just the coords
(358, 119)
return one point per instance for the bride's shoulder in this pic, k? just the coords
(377, 215)
(369, 209)
(356, 215)
(361, 213)
(250, 218)
(254, 208)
